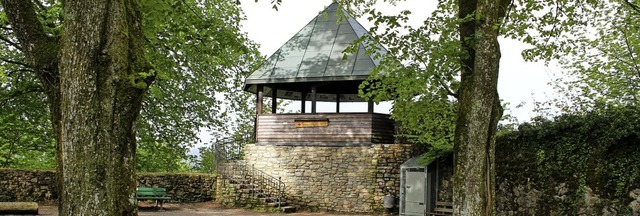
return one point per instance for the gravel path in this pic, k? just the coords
(198, 209)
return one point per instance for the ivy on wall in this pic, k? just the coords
(566, 158)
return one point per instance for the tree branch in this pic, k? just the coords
(15, 62)
(192, 10)
(14, 44)
(631, 51)
(625, 62)
(438, 78)
(506, 7)
(17, 93)
(40, 5)
(10, 73)
(42, 49)
(632, 6)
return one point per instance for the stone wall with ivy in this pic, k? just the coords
(585, 164)
(39, 186)
(574, 165)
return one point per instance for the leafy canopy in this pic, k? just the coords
(199, 55)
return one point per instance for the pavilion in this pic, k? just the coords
(336, 161)
(311, 66)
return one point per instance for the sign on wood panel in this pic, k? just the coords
(307, 123)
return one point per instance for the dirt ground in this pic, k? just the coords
(196, 209)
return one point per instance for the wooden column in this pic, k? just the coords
(259, 97)
(370, 106)
(274, 100)
(304, 102)
(337, 103)
(313, 99)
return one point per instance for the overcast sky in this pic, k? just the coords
(519, 81)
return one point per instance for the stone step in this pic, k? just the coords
(252, 190)
(248, 186)
(288, 209)
(266, 199)
(239, 181)
(275, 204)
(249, 189)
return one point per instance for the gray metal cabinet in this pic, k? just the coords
(417, 187)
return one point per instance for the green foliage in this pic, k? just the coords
(159, 157)
(207, 161)
(26, 140)
(419, 73)
(596, 43)
(598, 149)
(199, 57)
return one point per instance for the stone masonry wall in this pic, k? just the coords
(39, 186)
(27, 185)
(345, 179)
(183, 188)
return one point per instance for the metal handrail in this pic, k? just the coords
(229, 150)
(229, 164)
(272, 184)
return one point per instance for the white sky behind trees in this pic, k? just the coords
(520, 82)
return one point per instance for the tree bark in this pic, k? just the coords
(479, 107)
(100, 62)
(94, 76)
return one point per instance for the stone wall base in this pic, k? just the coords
(39, 186)
(350, 179)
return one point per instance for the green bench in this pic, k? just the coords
(148, 193)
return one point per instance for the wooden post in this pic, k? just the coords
(337, 103)
(370, 106)
(313, 99)
(259, 96)
(274, 100)
(255, 129)
(304, 102)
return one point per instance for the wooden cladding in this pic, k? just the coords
(325, 128)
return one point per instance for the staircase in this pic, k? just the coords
(245, 185)
(443, 208)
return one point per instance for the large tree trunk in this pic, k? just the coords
(94, 76)
(101, 94)
(479, 108)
